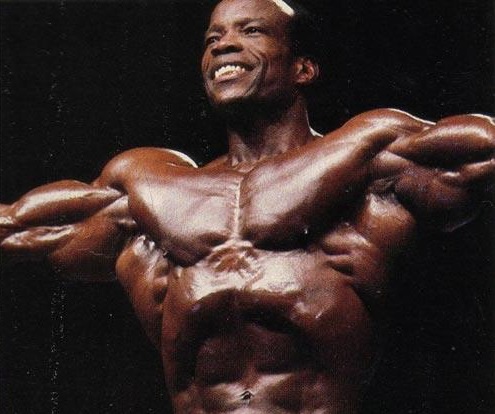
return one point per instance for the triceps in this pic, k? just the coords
(77, 227)
(444, 204)
(441, 173)
(91, 251)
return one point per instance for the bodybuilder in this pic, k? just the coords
(260, 276)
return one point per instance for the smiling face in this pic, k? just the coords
(247, 53)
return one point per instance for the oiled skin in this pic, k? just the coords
(257, 282)
(261, 277)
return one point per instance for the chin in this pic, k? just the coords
(234, 103)
(246, 106)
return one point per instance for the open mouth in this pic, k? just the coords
(230, 71)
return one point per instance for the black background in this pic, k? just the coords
(83, 81)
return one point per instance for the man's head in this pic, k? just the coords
(256, 51)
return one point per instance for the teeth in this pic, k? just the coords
(229, 69)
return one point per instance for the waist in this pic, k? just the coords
(302, 390)
(251, 353)
(220, 327)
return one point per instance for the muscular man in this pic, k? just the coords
(261, 277)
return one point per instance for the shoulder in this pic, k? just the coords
(145, 155)
(390, 118)
(123, 166)
(372, 131)
(398, 120)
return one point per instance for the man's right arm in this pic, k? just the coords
(79, 228)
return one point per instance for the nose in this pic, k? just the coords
(228, 43)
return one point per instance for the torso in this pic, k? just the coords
(271, 289)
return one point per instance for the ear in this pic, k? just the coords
(307, 70)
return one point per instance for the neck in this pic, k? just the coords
(260, 132)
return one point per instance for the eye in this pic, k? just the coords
(211, 39)
(252, 30)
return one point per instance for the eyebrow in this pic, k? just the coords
(242, 22)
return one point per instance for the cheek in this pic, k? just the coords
(280, 66)
(279, 56)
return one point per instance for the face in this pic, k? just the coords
(247, 53)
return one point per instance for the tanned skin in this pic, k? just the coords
(259, 276)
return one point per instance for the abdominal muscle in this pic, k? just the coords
(292, 385)
(241, 342)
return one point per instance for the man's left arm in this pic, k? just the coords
(442, 173)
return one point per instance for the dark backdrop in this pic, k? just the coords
(83, 81)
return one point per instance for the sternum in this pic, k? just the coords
(236, 232)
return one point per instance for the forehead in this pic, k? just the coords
(231, 11)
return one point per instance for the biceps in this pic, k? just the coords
(61, 202)
(453, 141)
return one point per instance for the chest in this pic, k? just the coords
(190, 212)
(274, 207)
